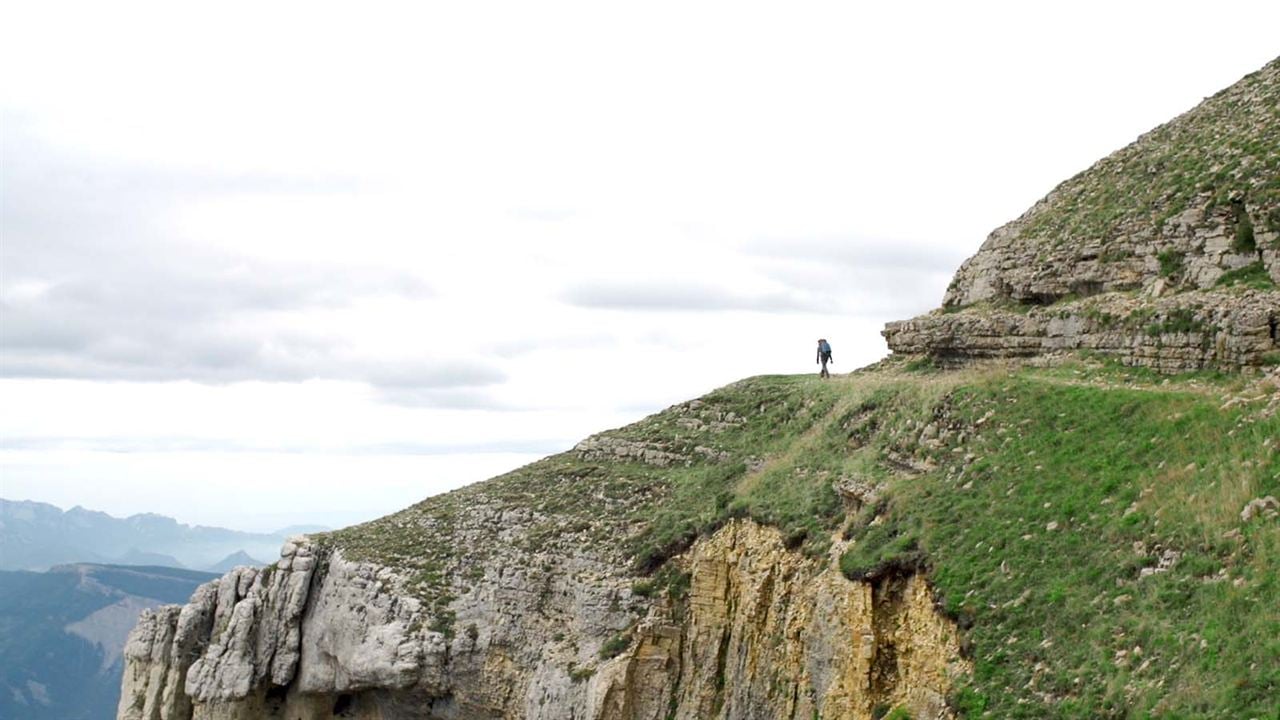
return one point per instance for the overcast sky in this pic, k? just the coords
(276, 263)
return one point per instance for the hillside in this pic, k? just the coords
(1165, 254)
(1057, 499)
(1183, 206)
(62, 633)
(1071, 482)
(1081, 524)
(234, 560)
(1079, 479)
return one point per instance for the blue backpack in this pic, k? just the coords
(826, 347)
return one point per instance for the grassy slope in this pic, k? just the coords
(1105, 453)
(1224, 148)
(1128, 470)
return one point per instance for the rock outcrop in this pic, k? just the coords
(761, 632)
(1188, 331)
(1175, 240)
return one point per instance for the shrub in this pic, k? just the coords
(1114, 254)
(1170, 262)
(1179, 320)
(615, 646)
(883, 712)
(1244, 242)
(643, 588)
(668, 578)
(924, 363)
(886, 548)
(968, 703)
(1253, 275)
(443, 623)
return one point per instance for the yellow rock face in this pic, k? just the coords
(768, 633)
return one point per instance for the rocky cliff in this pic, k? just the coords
(617, 580)
(1165, 254)
(1033, 541)
(760, 631)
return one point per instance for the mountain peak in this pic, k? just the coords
(1165, 253)
(239, 558)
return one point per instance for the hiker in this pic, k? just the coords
(824, 356)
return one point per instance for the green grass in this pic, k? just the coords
(976, 466)
(1212, 159)
(1170, 262)
(923, 364)
(1244, 241)
(1113, 469)
(669, 580)
(615, 646)
(1253, 275)
(1177, 320)
(891, 546)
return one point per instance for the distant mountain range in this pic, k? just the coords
(234, 560)
(37, 536)
(62, 633)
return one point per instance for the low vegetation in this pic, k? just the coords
(1218, 160)
(1093, 546)
(1170, 262)
(1253, 275)
(1081, 522)
(1244, 241)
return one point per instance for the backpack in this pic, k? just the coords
(825, 347)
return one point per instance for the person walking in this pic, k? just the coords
(824, 357)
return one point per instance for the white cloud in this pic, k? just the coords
(661, 296)
(267, 243)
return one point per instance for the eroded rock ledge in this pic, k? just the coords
(762, 632)
(1189, 331)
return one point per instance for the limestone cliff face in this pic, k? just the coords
(763, 632)
(767, 634)
(1166, 231)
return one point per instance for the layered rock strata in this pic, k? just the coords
(765, 636)
(1188, 331)
(763, 632)
(1176, 225)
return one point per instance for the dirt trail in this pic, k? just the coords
(793, 451)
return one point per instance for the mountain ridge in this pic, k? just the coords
(36, 536)
(63, 632)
